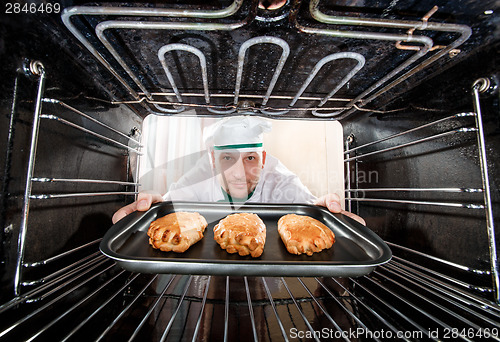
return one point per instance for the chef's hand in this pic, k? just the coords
(143, 203)
(332, 203)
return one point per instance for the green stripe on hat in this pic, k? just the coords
(233, 147)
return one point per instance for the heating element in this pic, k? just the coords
(421, 294)
(426, 53)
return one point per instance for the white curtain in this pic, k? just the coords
(172, 145)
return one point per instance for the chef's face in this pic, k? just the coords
(239, 173)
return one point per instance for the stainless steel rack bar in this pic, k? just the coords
(426, 313)
(418, 141)
(80, 180)
(203, 303)
(324, 311)
(73, 109)
(48, 304)
(174, 314)
(459, 190)
(381, 289)
(394, 295)
(116, 293)
(371, 310)
(75, 306)
(86, 130)
(347, 143)
(81, 263)
(250, 309)
(57, 283)
(30, 296)
(419, 269)
(38, 68)
(60, 256)
(464, 289)
(490, 226)
(226, 307)
(443, 289)
(127, 307)
(152, 308)
(300, 310)
(485, 190)
(414, 324)
(351, 314)
(451, 117)
(433, 203)
(442, 261)
(82, 194)
(29, 175)
(435, 304)
(270, 297)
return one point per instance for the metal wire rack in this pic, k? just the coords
(92, 298)
(31, 179)
(363, 194)
(398, 301)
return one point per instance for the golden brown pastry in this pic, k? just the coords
(176, 231)
(304, 234)
(242, 233)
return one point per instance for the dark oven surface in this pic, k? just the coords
(413, 83)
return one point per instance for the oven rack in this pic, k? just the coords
(104, 49)
(402, 297)
(109, 303)
(358, 194)
(37, 69)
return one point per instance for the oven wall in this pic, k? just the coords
(73, 75)
(457, 235)
(55, 225)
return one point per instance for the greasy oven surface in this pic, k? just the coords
(355, 252)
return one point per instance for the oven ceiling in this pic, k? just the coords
(366, 53)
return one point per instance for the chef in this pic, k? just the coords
(239, 170)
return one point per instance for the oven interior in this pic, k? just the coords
(414, 85)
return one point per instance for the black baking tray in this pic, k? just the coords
(356, 251)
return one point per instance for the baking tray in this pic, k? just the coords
(357, 250)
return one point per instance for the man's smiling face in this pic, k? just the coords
(239, 172)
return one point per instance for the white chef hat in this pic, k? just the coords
(241, 133)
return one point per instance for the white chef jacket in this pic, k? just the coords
(277, 184)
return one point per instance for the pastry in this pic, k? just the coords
(304, 235)
(242, 233)
(176, 231)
